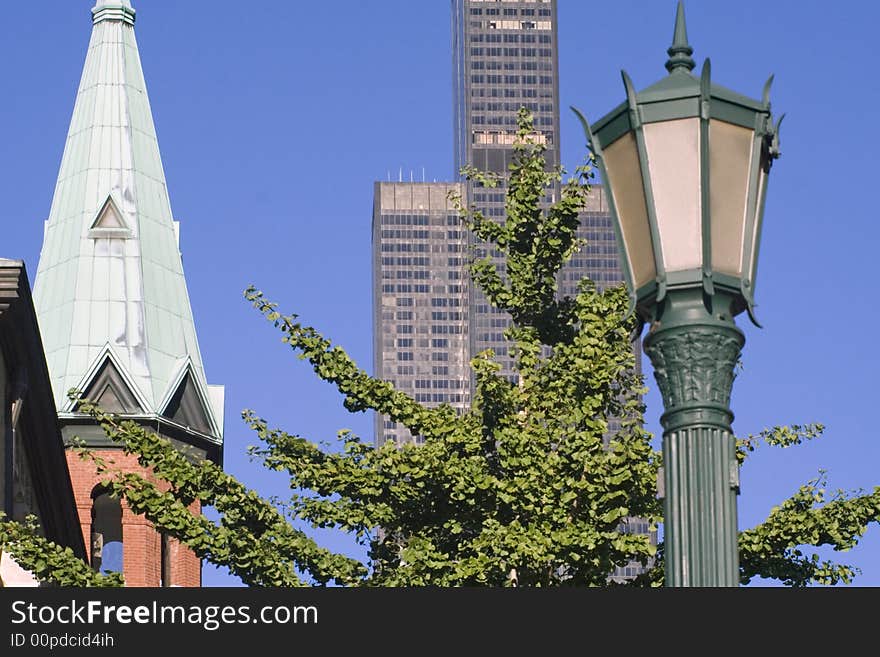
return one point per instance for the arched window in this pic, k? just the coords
(106, 532)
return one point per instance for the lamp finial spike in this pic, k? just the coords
(680, 51)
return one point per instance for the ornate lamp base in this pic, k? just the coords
(694, 346)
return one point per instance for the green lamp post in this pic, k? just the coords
(686, 163)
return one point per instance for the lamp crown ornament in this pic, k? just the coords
(680, 51)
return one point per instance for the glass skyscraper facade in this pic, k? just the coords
(420, 297)
(429, 321)
(505, 57)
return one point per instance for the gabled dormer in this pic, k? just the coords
(109, 222)
(107, 384)
(188, 403)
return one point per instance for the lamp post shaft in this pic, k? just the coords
(694, 346)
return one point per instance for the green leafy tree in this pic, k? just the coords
(529, 487)
(46, 560)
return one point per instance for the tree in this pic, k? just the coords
(46, 560)
(529, 487)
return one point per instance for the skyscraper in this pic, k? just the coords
(505, 57)
(420, 297)
(112, 303)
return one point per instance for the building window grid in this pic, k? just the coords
(445, 389)
(495, 57)
(602, 245)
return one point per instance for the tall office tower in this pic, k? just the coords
(504, 57)
(420, 297)
(112, 303)
(597, 260)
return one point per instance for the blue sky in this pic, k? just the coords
(276, 119)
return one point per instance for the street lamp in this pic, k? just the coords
(686, 164)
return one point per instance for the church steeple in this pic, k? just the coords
(112, 303)
(110, 292)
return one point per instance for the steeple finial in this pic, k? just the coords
(680, 51)
(113, 10)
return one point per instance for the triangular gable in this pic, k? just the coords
(106, 379)
(109, 221)
(110, 392)
(187, 408)
(187, 402)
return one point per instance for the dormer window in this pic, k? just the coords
(109, 222)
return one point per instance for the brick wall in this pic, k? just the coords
(141, 543)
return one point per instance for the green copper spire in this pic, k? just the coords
(680, 51)
(110, 292)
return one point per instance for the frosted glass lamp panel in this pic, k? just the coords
(621, 159)
(751, 270)
(674, 163)
(730, 162)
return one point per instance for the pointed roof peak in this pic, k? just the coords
(110, 269)
(680, 51)
(113, 10)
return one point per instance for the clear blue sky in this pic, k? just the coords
(275, 120)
